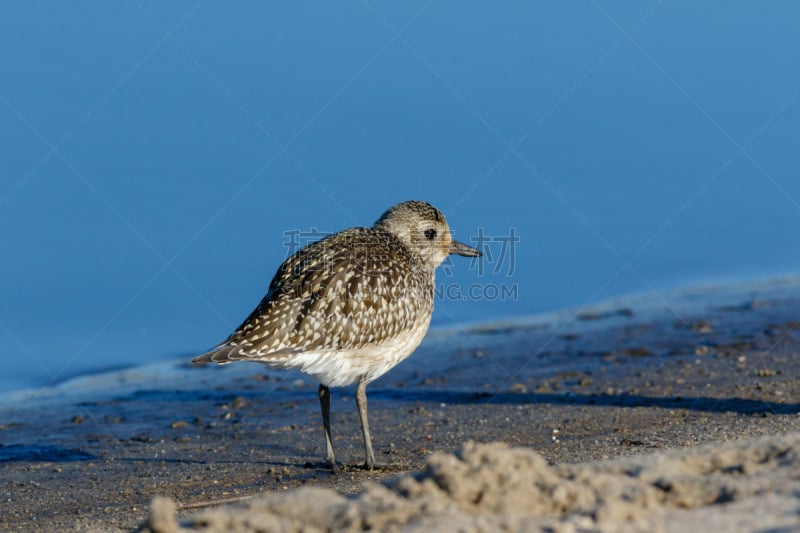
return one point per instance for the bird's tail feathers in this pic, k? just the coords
(227, 353)
(224, 353)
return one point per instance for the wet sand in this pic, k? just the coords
(582, 387)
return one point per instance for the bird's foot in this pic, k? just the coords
(334, 467)
(374, 465)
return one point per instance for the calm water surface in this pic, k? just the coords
(159, 160)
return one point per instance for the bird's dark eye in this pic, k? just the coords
(430, 234)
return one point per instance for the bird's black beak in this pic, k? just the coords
(459, 248)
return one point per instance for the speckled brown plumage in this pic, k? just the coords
(355, 288)
(349, 307)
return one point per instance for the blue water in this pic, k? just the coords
(156, 156)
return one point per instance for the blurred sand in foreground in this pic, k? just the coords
(747, 485)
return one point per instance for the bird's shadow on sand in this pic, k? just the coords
(35, 453)
(466, 397)
(694, 403)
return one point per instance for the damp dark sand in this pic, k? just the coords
(621, 380)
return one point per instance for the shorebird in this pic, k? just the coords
(349, 307)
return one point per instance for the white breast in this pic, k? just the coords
(341, 368)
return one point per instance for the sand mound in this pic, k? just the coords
(744, 485)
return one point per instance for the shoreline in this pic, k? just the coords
(646, 306)
(616, 381)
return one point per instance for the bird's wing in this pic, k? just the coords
(362, 289)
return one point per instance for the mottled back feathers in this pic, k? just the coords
(356, 288)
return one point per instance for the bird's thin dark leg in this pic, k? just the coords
(325, 404)
(361, 402)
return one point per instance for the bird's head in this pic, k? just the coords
(423, 229)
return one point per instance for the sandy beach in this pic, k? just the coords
(633, 415)
(601, 198)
